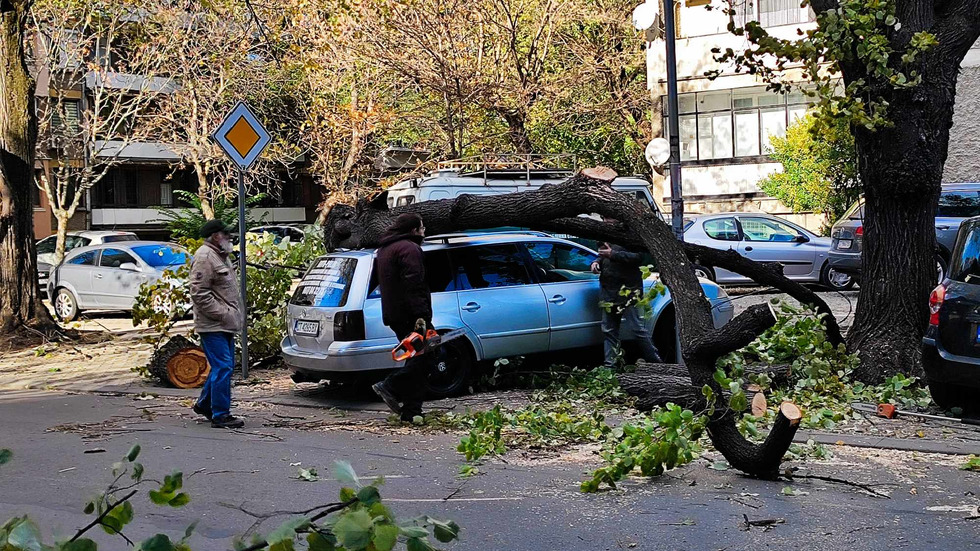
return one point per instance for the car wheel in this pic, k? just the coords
(451, 373)
(941, 267)
(949, 396)
(704, 272)
(834, 280)
(65, 305)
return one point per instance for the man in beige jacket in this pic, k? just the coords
(217, 318)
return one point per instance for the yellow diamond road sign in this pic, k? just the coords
(242, 136)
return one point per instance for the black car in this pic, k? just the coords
(951, 347)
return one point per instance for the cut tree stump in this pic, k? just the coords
(180, 363)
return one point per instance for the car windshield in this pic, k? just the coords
(159, 256)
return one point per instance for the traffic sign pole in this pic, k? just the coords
(242, 268)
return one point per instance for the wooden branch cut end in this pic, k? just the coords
(759, 404)
(601, 173)
(791, 412)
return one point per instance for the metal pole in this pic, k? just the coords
(242, 269)
(673, 126)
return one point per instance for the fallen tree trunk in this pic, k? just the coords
(589, 192)
(656, 385)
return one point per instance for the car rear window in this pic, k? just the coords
(118, 238)
(438, 274)
(327, 284)
(856, 212)
(966, 256)
(161, 255)
(959, 204)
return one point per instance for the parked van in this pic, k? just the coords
(485, 176)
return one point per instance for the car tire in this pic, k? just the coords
(451, 374)
(703, 272)
(65, 305)
(948, 396)
(834, 280)
(941, 268)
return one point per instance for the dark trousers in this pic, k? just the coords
(408, 383)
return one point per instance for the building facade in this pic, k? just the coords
(726, 123)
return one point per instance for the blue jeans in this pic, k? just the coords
(611, 322)
(219, 348)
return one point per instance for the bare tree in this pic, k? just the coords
(93, 50)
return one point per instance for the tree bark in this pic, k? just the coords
(656, 385)
(589, 192)
(20, 296)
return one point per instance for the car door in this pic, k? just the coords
(76, 273)
(572, 293)
(722, 233)
(770, 240)
(499, 301)
(113, 286)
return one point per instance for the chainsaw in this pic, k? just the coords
(422, 341)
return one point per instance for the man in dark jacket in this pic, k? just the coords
(405, 298)
(620, 288)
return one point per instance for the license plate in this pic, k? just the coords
(307, 328)
(844, 244)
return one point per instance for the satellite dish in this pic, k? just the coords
(657, 152)
(645, 15)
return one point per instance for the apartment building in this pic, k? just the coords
(726, 124)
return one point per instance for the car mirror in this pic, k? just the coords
(129, 266)
(801, 239)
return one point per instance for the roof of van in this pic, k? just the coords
(454, 179)
(450, 241)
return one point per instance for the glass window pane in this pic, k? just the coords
(721, 135)
(85, 258)
(327, 283)
(558, 262)
(966, 258)
(747, 134)
(771, 98)
(686, 103)
(114, 258)
(714, 101)
(46, 245)
(722, 229)
(773, 124)
(704, 138)
(492, 266)
(161, 256)
(959, 204)
(796, 113)
(764, 229)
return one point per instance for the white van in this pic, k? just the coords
(454, 178)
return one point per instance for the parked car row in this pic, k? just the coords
(514, 294)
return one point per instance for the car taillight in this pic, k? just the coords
(859, 231)
(936, 303)
(348, 326)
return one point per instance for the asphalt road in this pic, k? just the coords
(523, 504)
(842, 304)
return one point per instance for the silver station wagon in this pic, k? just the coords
(515, 294)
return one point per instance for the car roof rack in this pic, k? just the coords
(446, 237)
(497, 165)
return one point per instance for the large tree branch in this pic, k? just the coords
(957, 28)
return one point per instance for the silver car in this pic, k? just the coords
(75, 239)
(765, 238)
(514, 294)
(108, 276)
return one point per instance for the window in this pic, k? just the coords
(160, 256)
(856, 212)
(114, 258)
(966, 258)
(959, 204)
(327, 284)
(46, 245)
(65, 115)
(734, 123)
(118, 238)
(75, 241)
(722, 229)
(439, 276)
(558, 262)
(86, 258)
(764, 229)
(489, 266)
(773, 13)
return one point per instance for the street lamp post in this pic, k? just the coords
(673, 126)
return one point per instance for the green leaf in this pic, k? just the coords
(286, 532)
(137, 472)
(368, 495)
(160, 498)
(134, 452)
(344, 473)
(5, 456)
(309, 475)
(159, 542)
(720, 466)
(190, 529)
(318, 542)
(445, 532)
(179, 500)
(385, 537)
(81, 544)
(118, 518)
(353, 529)
(89, 508)
(412, 531)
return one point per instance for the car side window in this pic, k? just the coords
(87, 259)
(114, 258)
(966, 257)
(490, 266)
(722, 229)
(764, 229)
(46, 245)
(959, 204)
(439, 274)
(559, 262)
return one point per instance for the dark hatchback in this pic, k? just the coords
(951, 347)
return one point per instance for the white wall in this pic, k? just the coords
(137, 217)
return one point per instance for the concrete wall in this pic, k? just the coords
(963, 163)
